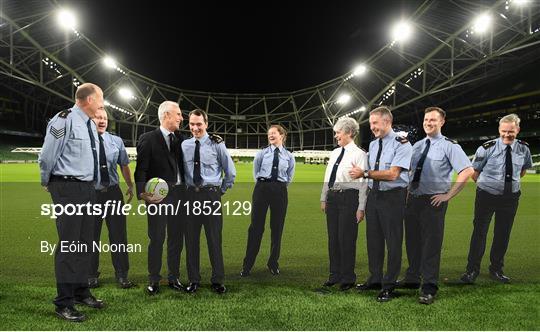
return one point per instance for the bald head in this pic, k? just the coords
(89, 97)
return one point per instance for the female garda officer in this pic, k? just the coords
(343, 200)
(273, 169)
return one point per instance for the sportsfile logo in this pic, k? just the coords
(116, 208)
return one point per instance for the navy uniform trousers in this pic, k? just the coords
(116, 224)
(72, 268)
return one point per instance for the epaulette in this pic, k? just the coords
(63, 114)
(489, 144)
(523, 142)
(215, 138)
(453, 141)
(401, 139)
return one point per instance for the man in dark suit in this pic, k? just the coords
(159, 155)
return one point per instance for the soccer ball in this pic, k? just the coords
(158, 188)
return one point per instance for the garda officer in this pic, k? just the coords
(343, 200)
(434, 159)
(112, 152)
(389, 162)
(273, 170)
(69, 168)
(498, 167)
(206, 158)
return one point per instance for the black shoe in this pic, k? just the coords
(346, 287)
(176, 285)
(192, 287)
(274, 270)
(93, 283)
(469, 277)
(366, 287)
(499, 276)
(125, 283)
(386, 295)
(70, 314)
(91, 302)
(152, 288)
(244, 273)
(218, 288)
(426, 298)
(329, 283)
(407, 284)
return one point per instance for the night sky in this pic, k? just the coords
(228, 46)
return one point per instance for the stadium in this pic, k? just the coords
(476, 60)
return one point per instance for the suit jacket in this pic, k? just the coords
(155, 160)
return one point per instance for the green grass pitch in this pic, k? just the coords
(262, 301)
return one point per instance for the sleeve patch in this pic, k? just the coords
(523, 142)
(57, 133)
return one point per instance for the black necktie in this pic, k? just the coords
(508, 171)
(418, 170)
(275, 165)
(377, 161)
(197, 179)
(171, 142)
(103, 170)
(173, 150)
(94, 152)
(334, 169)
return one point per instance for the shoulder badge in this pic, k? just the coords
(63, 114)
(523, 142)
(401, 139)
(215, 138)
(489, 144)
(453, 141)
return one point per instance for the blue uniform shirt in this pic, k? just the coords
(395, 152)
(444, 156)
(116, 154)
(214, 159)
(490, 160)
(264, 159)
(67, 149)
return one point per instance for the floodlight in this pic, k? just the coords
(401, 31)
(126, 93)
(109, 62)
(343, 99)
(482, 23)
(520, 2)
(359, 70)
(66, 19)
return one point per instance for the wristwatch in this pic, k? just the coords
(366, 174)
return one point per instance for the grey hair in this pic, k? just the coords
(347, 125)
(510, 118)
(165, 107)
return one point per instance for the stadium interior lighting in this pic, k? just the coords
(343, 99)
(481, 23)
(359, 70)
(109, 62)
(126, 93)
(520, 2)
(401, 31)
(67, 19)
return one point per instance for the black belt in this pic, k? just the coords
(268, 180)
(393, 190)
(204, 188)
(338, 190)
(65, 178)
